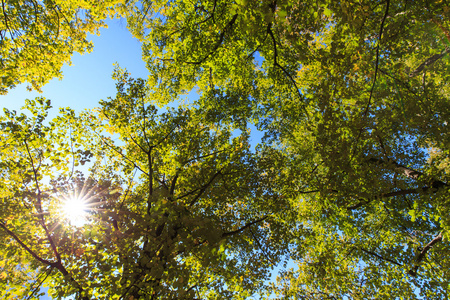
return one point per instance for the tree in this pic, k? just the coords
(361, 137)
(350, 182)
(177, 210)
(38, 37)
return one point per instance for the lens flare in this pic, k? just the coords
(75, 210)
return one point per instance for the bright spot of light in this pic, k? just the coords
(75, 210)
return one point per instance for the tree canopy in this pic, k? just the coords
(349, 184)
(38, 37)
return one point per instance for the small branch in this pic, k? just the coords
(308, 192)
(381, 257)
(377, 58)
(203, 188)
(366, 110)
(49, 271)
(261, 248)
(257, 48)
(6, 22)
(403, 83)
(388, 195)
(203, 156)
(131, 136)
(211, 16)
(408, 172)
(445, 30)
(137, 144)
(165, 137)
(39, 206)
(230, 233)
(276, 64)
(56, 265)
(218, 43)
(121, 154)
(422, 254)
(127, 191)
(73, 153)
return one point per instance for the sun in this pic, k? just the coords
(75, 211)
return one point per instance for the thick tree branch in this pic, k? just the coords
(431, 60)
(25, 247)
(408, 172)
(150, 180)
(422, 254)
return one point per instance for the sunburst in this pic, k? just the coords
(75, 210)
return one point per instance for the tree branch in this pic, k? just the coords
(422, 254)
(230, 233)
(25, 247)
(218, 43)
(275, 60)
(377, 58)
(366, 110)
(123, 155)
(381, 257)
(388, 195)
(408, 172)
(47, 273)
(39, 206)
(431, 60)
(203, 188)
(261, 248)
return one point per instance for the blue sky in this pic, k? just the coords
(89, 78)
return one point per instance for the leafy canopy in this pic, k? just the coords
(176, 208)
(38, 37)
(353, 98)
(349, 183)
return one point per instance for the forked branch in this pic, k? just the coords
(423, 253)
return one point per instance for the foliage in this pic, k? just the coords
(354, 99)
(349, 184)
(38, 37)
(177, 209)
